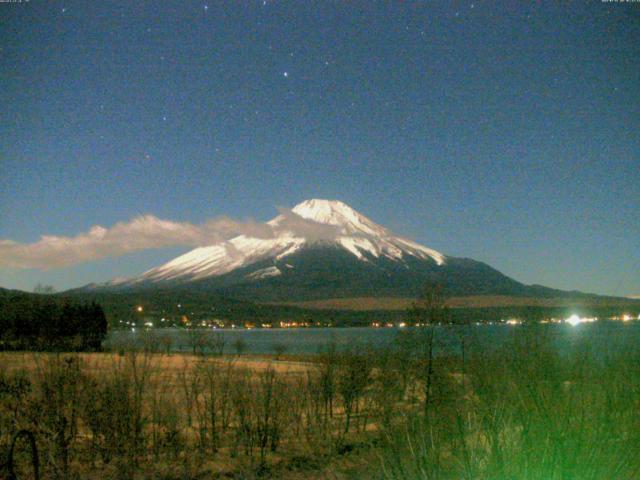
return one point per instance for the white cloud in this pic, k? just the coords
(142, 233)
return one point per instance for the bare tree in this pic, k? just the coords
(216, 343)
(426, 312)
(353, 377)
(196, 340)
(240, 346)
(279, 349)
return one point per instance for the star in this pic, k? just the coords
(164, 118)
(206, 7)
(285, 74)
(64, 10)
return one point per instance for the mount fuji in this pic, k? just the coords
(323, 249)
(346, 230)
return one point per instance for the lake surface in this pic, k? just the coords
(602, 337)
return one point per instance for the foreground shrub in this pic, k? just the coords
(528, 413)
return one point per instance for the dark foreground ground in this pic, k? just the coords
(523, 411)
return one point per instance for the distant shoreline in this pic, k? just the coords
(474, 301)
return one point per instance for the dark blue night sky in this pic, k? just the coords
(499, 131)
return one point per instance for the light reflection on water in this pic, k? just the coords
(601, 337)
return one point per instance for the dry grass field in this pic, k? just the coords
(520, 411)
(152, 415)
(169, 365)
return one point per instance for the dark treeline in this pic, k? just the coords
(175, 304)
(38, 322)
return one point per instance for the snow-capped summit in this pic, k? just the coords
(335, 212)
(359, 235)
(332, 223)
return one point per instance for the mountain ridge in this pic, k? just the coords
(334, 224)
(324, 249)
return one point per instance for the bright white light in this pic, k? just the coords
(573, 320)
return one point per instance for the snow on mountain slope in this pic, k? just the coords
(339, 214)
(264, 273)
(343, 227)
(222, 258)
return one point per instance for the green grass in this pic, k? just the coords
(526, 412)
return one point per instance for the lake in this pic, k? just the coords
(603, 336)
